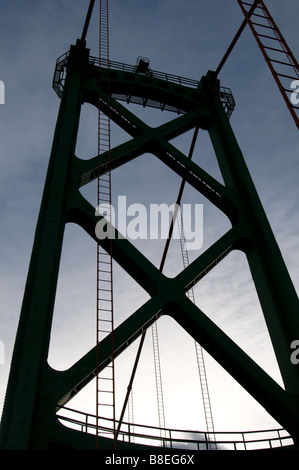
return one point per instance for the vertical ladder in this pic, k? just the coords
(131, 416)
(158, 376)
(105, 381)
(198, 349)
(283, 65)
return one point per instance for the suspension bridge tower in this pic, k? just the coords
(36, 393)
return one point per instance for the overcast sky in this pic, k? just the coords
(183, 38)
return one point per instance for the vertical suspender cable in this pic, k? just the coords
(211, 437)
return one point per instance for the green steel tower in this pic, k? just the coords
(36, 391)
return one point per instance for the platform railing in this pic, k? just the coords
(225, 93)
(176, 438)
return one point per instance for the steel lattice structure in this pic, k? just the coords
(29, 419)
(35, 391)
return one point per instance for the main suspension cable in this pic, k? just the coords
(87, 20)
(236, 38)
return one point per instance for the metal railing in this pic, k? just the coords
(225, 93)
(150, 436)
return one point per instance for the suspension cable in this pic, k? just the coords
(235, 40)
(87, 20)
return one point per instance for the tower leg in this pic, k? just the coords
(33, 335)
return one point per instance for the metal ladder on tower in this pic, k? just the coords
(198, 349)
(282, 63)
(131, 417)
(158, 376)
(105, 381)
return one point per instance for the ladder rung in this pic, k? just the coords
(101, 191)
(263, 25)
(290, 91)
(287, 76)
(250, 4)
(108, 307)
(105, 320)
(103, 186)
(260, 16)
(104, 276)
(288, 64)
(101, 297)
(268, 37)
(275, 49)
